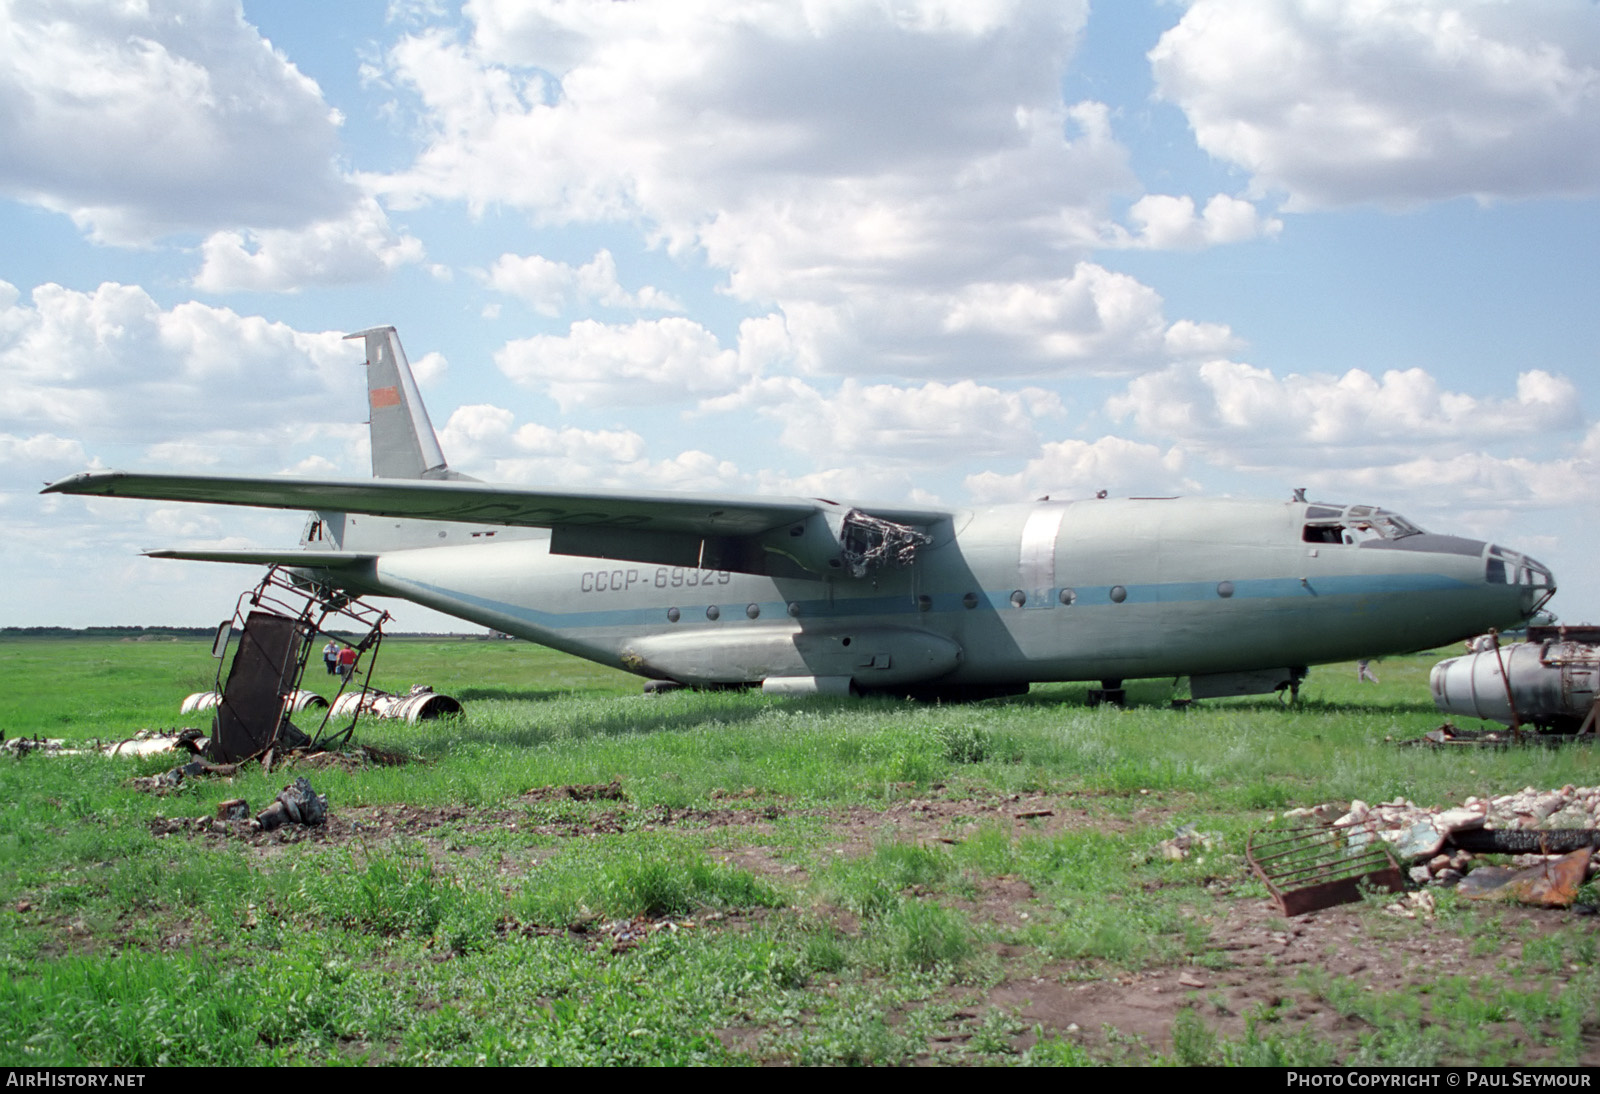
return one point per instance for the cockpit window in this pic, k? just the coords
(1354, 524)
(1507, 567)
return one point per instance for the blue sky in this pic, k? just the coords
(965, 252)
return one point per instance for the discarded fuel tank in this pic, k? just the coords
(1549, 681)
(420, 704)
(299, 701)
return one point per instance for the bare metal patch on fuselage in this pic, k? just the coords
(1036, 562)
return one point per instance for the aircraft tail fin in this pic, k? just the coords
(404, 445)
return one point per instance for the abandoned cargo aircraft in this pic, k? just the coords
(806, 595)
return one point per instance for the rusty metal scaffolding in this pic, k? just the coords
(277, 624)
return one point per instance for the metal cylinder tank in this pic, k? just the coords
(298, 701)
(1553, 684)
(419, 705)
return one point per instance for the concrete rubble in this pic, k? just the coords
(1427, 837)
(1185, 841)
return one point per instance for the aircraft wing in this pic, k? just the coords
(712, 531)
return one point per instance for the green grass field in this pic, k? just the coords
(782, 880)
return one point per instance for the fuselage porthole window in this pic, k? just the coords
(1118, 594)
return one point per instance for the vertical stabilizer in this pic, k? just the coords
(403, 442)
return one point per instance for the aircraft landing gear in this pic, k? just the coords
(1109, 691)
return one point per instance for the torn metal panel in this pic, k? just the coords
(1552, 884)
(870, 542)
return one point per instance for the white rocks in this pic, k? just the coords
(1419, 833)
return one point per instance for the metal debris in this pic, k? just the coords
(23, 746)
(298, 700)
(272, 632)
(151, 742)
(1449, 735)
(1551, 884)
(420, 704)
(1441, 843)
(168, 781)
(1551, 681)
(297, 803)
(1311, 867)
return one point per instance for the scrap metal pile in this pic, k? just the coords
(1552, 833)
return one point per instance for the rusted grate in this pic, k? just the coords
(1311, 867)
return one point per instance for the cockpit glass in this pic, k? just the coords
(1354, 524)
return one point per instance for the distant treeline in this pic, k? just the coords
(182, 632)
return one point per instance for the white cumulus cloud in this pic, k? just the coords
(143, 119)
(647, 361)
(358, 245)
(1078, 469)
(1171, 223)
(486, 440)
(551, 287)
(187, 385)
(934, 424)
(894, 181)
(1249, 416)
(1396, 102)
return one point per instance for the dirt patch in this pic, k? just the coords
(952, 819)
(1279, 972)
(587, 792)
(342, 827)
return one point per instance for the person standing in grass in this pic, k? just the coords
(347, 662)
(330, 656)
(1364, 671)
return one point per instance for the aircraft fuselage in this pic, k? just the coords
(1046, 591)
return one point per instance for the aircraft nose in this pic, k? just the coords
(1503, 566)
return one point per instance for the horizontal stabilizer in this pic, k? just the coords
(306, 560)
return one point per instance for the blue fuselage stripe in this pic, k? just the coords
(1087, 598)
